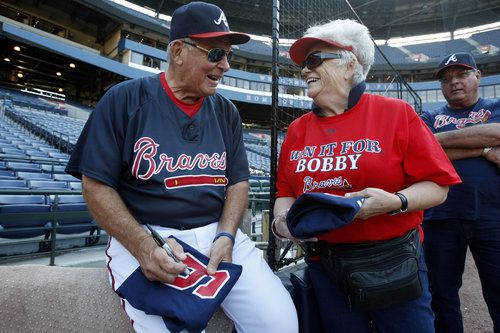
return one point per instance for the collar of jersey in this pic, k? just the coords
(189, 109)
(353, 98)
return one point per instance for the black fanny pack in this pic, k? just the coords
(377, 274)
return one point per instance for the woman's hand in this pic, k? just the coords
(281, 231)
(377, 202)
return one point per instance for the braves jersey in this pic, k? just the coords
(171, 167)
(190, 301)
(380, 142)
(478, 197)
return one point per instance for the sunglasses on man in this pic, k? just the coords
(213, 55)
(315, 59)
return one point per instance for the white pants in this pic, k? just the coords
(258, 302)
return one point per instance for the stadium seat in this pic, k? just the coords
(33, 175)
(47, 185)
(254, 185)
(30, 227)
(51, 168)
(65, 177)
(264, 185)
(7, 173)
(36, 153)
(12, 184)
(12, 151)
(22, 166)
(72, 203)
(75, 186)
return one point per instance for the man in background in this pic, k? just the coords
(468, 128)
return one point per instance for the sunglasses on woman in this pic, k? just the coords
(215, 54)
(315, 59)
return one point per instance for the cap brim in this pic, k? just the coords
(439, 72)
(301, 48)
(235, 38)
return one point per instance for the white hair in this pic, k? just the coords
(349, 32)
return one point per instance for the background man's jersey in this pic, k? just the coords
(478, 197)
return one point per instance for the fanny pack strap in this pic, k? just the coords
(412, 238)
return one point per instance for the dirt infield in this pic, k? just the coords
(475, 313)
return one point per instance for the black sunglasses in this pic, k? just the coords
(315, 59)
(215, 54)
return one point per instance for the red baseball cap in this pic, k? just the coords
(301, 48)
(203, 20)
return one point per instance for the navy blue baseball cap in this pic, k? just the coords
(203, 20)
(313, 214)
(456, 59)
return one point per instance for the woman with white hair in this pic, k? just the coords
(368, 274)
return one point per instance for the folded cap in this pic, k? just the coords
(302, 47)
(313, 214)
(456, 59)
(203, 20)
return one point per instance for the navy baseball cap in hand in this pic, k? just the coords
(203, 20)
(313, 214)
(456, 59)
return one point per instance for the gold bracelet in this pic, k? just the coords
(485, 151)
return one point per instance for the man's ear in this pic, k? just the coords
(478, 74)
(176, 49)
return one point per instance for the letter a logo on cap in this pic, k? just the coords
(453, 58)
(222, 18)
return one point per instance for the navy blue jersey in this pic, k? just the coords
(478, 196)
(190, 301)
(170, 169)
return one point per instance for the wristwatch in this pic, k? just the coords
(404, 204)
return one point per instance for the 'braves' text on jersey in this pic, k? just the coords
(163, 160)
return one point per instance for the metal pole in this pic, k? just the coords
(271, 247)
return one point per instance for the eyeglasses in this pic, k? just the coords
(215, 54)
(315, 59)
(460, 75)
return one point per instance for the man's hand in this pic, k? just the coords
(494, 156)
(157, 265)
(222, 250)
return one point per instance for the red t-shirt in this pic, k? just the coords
(381, 142)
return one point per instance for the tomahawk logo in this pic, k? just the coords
(222, 18)
(453, 58)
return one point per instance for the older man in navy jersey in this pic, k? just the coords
(167, 151)
(468, 129)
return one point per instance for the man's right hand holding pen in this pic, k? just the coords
(156, 264)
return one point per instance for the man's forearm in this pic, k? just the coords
(111, 214)
(462, 153)
(478, 136)
(234, 207)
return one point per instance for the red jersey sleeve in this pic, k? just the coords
(424, 158)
